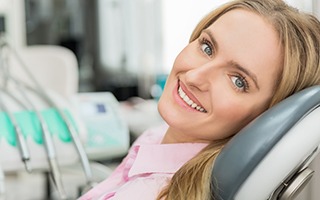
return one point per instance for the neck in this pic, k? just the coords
(173, 136)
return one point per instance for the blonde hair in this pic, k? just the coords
(299, 34)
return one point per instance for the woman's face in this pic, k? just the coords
(222, 80)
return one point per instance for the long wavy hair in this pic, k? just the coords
(299, 34)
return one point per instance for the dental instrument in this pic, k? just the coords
(21, 142)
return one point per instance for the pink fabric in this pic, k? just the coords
(146, 169)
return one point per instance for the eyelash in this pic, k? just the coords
(204, 41)
(244, 80)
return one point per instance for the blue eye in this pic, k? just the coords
(206, 46)
(240, 83)
(206, 49)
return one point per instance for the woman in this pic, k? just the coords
(242, 59)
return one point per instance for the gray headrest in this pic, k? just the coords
(245, 150)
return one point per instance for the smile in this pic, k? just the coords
(188, 101)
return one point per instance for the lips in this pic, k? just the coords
(189, 99)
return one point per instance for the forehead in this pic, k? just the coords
(250, 40)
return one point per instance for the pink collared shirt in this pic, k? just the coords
(146, 169)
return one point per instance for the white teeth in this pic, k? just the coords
(186, 99)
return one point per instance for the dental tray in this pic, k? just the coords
(31, 127)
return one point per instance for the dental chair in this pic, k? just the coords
(269, 159)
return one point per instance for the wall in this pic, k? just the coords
(179, 17)
(13, 11)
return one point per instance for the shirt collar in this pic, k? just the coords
(163, 158)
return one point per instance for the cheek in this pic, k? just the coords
(168, 88)
(233, 114)
(165, 103)
(230, 109)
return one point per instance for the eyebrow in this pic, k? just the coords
(247, 72)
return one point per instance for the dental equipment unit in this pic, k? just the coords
(14, 89)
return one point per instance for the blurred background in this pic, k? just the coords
(121, 45)
(125, 47)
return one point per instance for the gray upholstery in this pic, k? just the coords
(245, 150)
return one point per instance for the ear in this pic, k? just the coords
(273, 151)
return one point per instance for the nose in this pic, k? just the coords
(200, 76)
